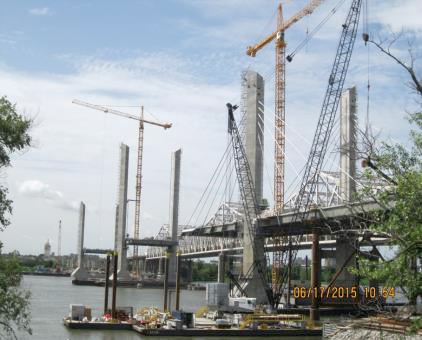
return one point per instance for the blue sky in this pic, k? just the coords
(182, 60)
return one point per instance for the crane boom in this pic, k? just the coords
(329, 108)
(119, 113)
(326, 121)
(249, 201)
(307, 10)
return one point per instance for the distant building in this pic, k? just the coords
(47, 249)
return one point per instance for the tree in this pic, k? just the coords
(14, 301)
(14, 136)
(395, 172)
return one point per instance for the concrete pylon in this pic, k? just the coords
(254, 128)
(348, 124)
(345, 245)
(174, 211)
(81, 273)
(253, 248)
(122, 273)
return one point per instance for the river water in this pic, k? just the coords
(51, 297)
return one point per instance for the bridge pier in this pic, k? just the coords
(253, 250)
(221, 267)
(80, 273)
(160, 267)
(345, 250)
(189, 276)
(315, 277)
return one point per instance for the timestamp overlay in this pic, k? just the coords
(343, 292)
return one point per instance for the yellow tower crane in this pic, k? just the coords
(139, 161)
(279, 147)
(280, 62)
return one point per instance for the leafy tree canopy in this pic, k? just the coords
(14, 301)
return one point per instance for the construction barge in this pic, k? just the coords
(152, 322)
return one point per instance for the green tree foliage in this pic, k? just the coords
(396, 173)
(204, 272)
(402, 219)
(14, 301)
(14, 137)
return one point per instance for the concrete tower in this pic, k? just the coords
(81, 273)
(253, 93)
(254, 127)
(122, 272)
(348, 144)
(345, 246)
(174, 210)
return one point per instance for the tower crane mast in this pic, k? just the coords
(280, 75)
(138, 188)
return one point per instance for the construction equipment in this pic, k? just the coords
(326, 120)
(139, 160)
(280, 62)
(279, 147)
(59, 249)
(250, 204)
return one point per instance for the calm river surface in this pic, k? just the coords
(51, 297)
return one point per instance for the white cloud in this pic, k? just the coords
(38, 189)
(40, 11)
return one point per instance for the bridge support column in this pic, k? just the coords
(253, 251)
(174, 212)
(80, 273)
(189, 277)
(221, 267)
(160, 266)
(122, 273)
(345, 247)
(315, 277)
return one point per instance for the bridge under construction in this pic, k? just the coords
(327, 214)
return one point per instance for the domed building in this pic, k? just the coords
(47, 249)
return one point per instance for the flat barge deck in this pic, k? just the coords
(191, 331)
(121, 326)
(227, 332)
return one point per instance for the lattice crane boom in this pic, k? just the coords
(329, 108)
(249, 201)
(119, 113)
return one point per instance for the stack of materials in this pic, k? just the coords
(217, 294)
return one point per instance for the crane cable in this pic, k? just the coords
(365, 36)
(310, 35)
